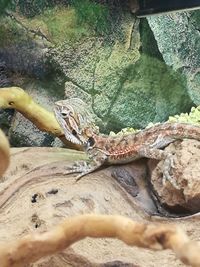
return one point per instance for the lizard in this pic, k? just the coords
(79, 128)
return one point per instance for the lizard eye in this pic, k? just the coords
(64, 115)
(74, 132)
(91, 141)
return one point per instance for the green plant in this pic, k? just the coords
(93, 14)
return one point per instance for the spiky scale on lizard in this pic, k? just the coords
(79, 128)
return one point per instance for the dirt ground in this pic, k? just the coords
(36, 194)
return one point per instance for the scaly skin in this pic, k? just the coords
(78, 126)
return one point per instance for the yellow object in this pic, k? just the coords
(17, 98)
(4, 153)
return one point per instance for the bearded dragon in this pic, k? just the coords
(79, 128)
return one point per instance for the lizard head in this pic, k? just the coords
(76, 121)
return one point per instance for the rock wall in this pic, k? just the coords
(122, 78)
(178, 39)
(135, 73)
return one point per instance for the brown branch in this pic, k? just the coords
(153, 236)
(17, 98)
(4, 153)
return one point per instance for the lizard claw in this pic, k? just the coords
(81, 167)
(76, 167)
(168, 177)
(168, 165)
(78, 178)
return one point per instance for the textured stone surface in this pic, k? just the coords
(26, 58)
(178, 39)
(186, 174)
(122, 76)
(124, 87)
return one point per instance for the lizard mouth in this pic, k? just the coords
(69, 133)
(72, 138)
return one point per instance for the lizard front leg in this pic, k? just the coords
(154, 153)
(97, 159)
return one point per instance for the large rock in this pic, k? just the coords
(178, 39)
(121, 75)
(124, 87)
(184, 173)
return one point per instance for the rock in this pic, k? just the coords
(121, 75)
(123, 87)
(186, 175)
(4, 80)
(178, 40)
(30, 62)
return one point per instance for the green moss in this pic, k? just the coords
(93, 14)
(62, 25)
(71, 23)
(59, 25)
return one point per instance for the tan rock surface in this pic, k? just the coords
(186, 173)
(35, 195)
